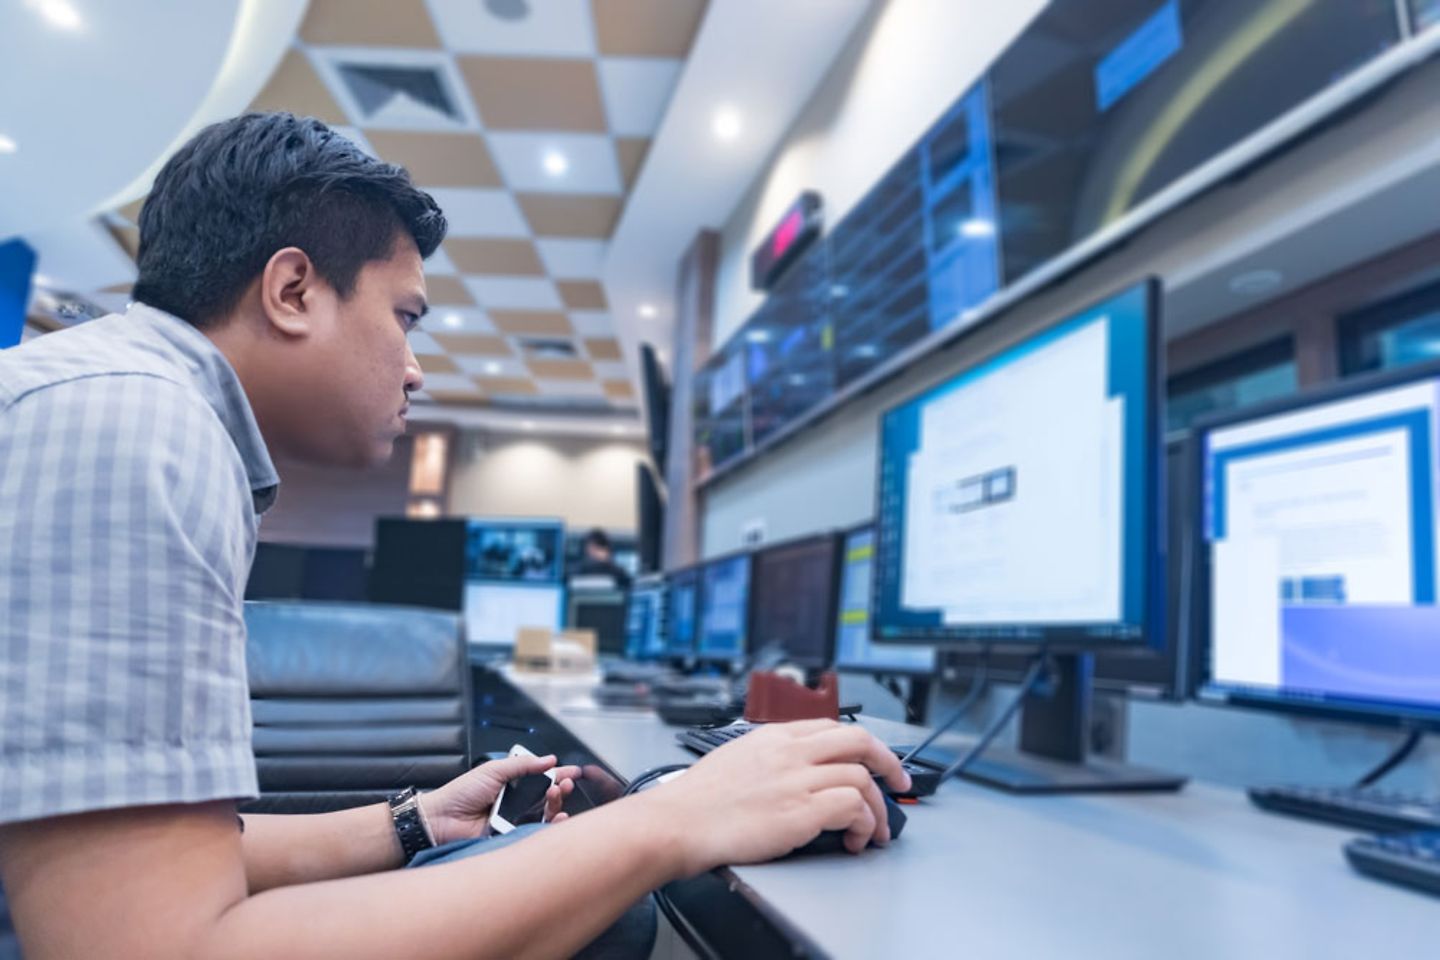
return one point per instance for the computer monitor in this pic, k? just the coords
(1318, 586)
(418, 563)
(684, 609)
(792, 593)
(657, 405)
(724, 609)
(1017, 507)
(854, 652)
(514, 550)
(650, 517)
(645, 618)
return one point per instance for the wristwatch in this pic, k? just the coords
(409, 828)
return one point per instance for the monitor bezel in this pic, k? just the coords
(1378, 713)
(1067, 638)
(827, 657)
(863, 670)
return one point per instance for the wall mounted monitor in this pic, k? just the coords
(514, 551)
(1099, 106)
(789, 359)
(792, 594)
(1319, 589)
(656, 388)
(1017, 502)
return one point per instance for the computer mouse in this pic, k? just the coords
(833, 841)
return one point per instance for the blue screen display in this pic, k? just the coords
(1017, 500)
(17, 264)
(1139, 55)
(514, 551)
(684, 610)
(1320, 528)
(724, 608)
(644, 623)
(853, 649)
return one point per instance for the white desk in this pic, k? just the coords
(980, 873)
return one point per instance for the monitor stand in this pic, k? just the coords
(1054, 724)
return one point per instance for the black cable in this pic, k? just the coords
(893, 686)
(1027, 686)
(977, 684)
(1396, 757)
(651, 775)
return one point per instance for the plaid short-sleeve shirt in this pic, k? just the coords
(132, 479)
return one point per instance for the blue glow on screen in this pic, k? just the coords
(1139, 55)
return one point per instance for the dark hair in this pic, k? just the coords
(244, 188)
(597, 538)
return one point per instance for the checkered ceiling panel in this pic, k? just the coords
(529, 121)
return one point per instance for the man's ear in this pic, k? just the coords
(289, 290)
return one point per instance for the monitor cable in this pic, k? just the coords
(1396, 757)
(977, 686)
(1039, 669)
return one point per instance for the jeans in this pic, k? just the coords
(631, 937)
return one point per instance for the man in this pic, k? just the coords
(599, 559)
(279, 271)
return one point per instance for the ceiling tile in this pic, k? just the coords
(532, 323)
(552, 215)
(294, 86)
(460, 398)
(569, 388)
(514, 293)
(630, 153)
(457, 320)
(505, 257)
(438, 159)
(483, 366)
(560, 369)
(619, 390)
(603, 349)
(545, 28)
(480, 213)
(582, 294)
(437, 364)
(535, 94)
(422, 344)
(611, 370)
(591, 164)
(570, 259)
(646, 28)
(474, 344)
(447, 292)
(635, 91)
(592, 324)
(440, 382)
(507, 386)
(438, 264)
(131, 210)
(379, 23)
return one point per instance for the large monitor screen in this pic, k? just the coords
(644, 622)
(1320, 528)
(789, 362)
(724, 608)
(793, 597)
(495, 611)
(1017, 501)
(684, 603)
(853, 649)
(528, 551)
(721, 409)
(1098, 106)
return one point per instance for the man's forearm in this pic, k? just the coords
(281, 850)
(546, 896)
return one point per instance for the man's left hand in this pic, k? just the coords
(461, 809)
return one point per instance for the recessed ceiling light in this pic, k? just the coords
(1253, 283)
(726, 124)
(493, 368)
(7, 145)
(648, 311)
(555, 163)
(60, 13)
(758, 336)
(511, 10)
(454, 321)
(976, 227)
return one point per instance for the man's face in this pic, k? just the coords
(362, 370)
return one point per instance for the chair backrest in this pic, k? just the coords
(356, 697)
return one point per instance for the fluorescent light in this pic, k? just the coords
(60, 13)
(726, 124)
(454, 321)
(7, 145)
(1253, 283)
(758, 336)
(976, 227)
(648, 311)
(555, 163)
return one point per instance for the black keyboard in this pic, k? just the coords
(924, 779)
(1364, 808)
(1412, 859)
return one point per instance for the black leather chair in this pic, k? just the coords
(352, 702)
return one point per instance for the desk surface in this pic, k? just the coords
(1200, 873)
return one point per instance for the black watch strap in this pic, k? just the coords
(409, 828)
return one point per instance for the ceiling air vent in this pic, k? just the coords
(387, 92)
(548, 349)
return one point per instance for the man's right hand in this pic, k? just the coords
(777, 788)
